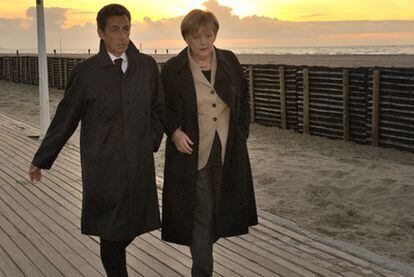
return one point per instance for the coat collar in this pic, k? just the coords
(223, 73)
(132, 53)
(196, 71)
(183, 61)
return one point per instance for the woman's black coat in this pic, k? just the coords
(235, 209)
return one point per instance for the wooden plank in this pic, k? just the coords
(276, 264)
(306, 101)
(375, 108)
(19, 258)
(249, 255)
(29, 63)
(239, 264)
(142, 266)
(65, 72)
(251, 93)
(156, 259)
(44, 241)
(30, 208)
(283, 112)
(345, 119)
(221, 263)
(57, 196)
(7, 265)
(52, 82)
(60, 74)
(302, 238)
(44, 264)
(317, 262)
(164, 271)
(65, 233)
(19, 68)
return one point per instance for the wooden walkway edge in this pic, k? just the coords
(40, 235)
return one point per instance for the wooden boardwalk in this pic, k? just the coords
(40, 236)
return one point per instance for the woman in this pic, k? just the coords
(208, 189)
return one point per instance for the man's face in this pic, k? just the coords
(116, 34)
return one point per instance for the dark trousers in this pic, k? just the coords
(207, 188)
(206, 193)
(114, 257)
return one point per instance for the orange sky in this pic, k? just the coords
(82, 11)
(244, 23)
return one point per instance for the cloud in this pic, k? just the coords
(55, 17)
(272, 31)
(314, 15)
(234, 31)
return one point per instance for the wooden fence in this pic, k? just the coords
(366, 105)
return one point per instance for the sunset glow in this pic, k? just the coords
(82, 11)
(242, 22)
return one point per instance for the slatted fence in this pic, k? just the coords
(366, 105)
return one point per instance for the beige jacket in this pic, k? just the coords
(213, 113)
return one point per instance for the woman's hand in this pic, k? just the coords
(182, 142)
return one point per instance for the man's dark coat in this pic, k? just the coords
(120, 129)
(235, 207)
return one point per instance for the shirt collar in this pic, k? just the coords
(123, 56)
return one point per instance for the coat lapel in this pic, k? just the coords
(223, 83)
(107, 69)
(185, 79)
(113, 84)
(198, 74)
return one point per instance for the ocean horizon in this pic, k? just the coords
(285, 50)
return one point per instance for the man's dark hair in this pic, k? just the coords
(108, 11)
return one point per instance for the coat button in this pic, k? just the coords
(214, 118)
(214, 105)
(212, 91)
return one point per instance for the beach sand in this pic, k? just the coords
(356, 193)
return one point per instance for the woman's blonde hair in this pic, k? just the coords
(196, 19)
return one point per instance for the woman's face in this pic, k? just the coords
(201, 42)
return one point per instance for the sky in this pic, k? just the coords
(243, 23)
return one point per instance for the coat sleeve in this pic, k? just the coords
(172, 119)
(157, 108)
(244, 107)
(68, 114)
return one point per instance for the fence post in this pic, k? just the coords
(375, 107)
(60, 73)
(18, 68)
(251, 93)
(65, 72)
(4, 68)
(306, 101)
(345, 118)
(10, 69)
(24, 70)
(30, 70)
(282, 83)
(52, 65)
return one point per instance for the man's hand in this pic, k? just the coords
(182, 142)
(35, 173)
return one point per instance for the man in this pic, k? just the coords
(118, 98)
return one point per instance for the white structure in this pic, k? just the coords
(43, 78)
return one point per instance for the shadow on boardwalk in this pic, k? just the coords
(40, 236)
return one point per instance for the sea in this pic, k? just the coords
(295, 50)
